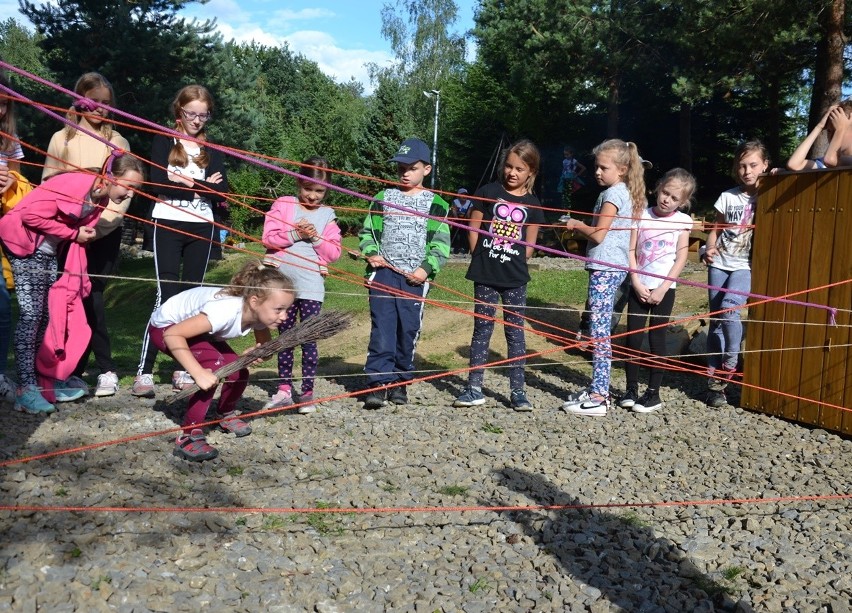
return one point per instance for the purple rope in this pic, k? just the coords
(228, 151)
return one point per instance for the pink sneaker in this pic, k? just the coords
(281, 398)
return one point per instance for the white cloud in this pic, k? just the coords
(341, 64)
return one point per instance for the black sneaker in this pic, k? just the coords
(398, 395)
(375, 399)
(648, 403)
(628, 401)
(520, 402)
(716, 399)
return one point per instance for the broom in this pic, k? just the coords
(314, 329)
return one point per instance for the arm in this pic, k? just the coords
(278, 230)
(368, 242)
(437, 240)
(580, 168)
(183, 188)
(603, 223)
(799, 161)
(712, 237)
(328, 246)
(475, 223)
(530, 236)
(841, 123)
(176, 339)
(639, 288)
(680, 261)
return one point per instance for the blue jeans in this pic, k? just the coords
(725, 334)
(5, 325)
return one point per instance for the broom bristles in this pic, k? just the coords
(317, 328)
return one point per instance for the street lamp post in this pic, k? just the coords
(436, 94)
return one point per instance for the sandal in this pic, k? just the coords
(233, 424)
(195, 447)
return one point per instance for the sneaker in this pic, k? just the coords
(716, 399)
(628, 401)
(281, 398)
(520, 402)
(470, 397)
(194, 447)
(143, 386)
(649, 402)
(76, 382)
(576, 398)
(181, 380)
(398, 395)
(66, 393)
(590, 406)
(233, 424)
(8, 390)
(28, 399)
(107, 384)
(308, 406)
(375, 399)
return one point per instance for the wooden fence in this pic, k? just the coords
(803, 241)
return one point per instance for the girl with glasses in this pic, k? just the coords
(189, 184)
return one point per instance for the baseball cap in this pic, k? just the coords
(412, 150)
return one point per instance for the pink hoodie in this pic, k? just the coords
(279, 233)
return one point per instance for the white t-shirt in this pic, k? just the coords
(734, 243)
(196, 210)
(224, 312)
(656, 244)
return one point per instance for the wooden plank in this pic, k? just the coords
(802, 219)
(837, 379)
(753, 397)
(815, 330)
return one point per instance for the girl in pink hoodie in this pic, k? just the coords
(302, 237)
(63, 209)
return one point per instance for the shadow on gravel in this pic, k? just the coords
(616, 556)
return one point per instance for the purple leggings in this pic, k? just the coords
(305, 309)
(214, 355)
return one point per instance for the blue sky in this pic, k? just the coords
(341, 36)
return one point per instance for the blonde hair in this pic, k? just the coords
(84, 85)
(626, 154)
(529, 154)
(7, 124)
(257, 279)
(686, 179)
(190, 93)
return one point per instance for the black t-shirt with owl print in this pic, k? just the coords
(499, 260)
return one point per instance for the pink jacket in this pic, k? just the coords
(68, 332)
(53, 208)
(278, 232)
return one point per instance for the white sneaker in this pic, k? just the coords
(182, 380)
(582, 403)
(107, 384)
(281, 398)
(576, 398)
(8, 390)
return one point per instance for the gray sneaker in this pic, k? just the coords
(520, 402)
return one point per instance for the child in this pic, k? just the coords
(192, 328)
(459, 211)
(302, 237)
(183, 172)
(64, 208)
(72, 149)
(498, 267)
(834, 123)
(728, 260)
(659, 244)
(572, 170)
(10, 155)
(404, 251)
(619, 168)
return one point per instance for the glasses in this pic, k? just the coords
(190, 116)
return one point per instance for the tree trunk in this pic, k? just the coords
(773, 135)
(828, 72)
(612, 108)
(685, 136)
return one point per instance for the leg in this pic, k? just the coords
(660, 314)
(5, 325)
(637, 317)
(285, 358)
(383, 317)
(196, 253)
(602, 288)
(718, 279)
(483, 327)
(732, 326)
(32, 286)
(514, 303)
(310, 354)
(410, 320)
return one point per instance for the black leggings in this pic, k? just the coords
(640, 316)
(176, 243)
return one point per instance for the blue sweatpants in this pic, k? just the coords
(395, 327)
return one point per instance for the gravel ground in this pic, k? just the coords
(778, 556)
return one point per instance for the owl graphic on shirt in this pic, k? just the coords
(507, 222)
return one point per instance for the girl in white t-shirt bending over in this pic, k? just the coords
(192, 328)
(659, 244)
